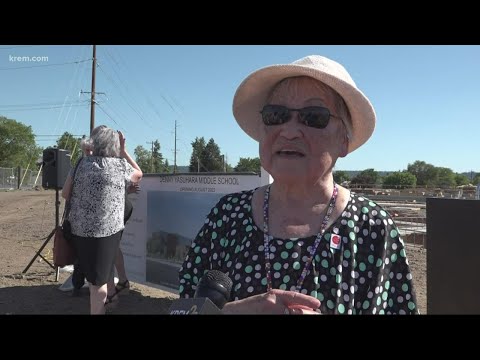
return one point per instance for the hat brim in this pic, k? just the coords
(252, 94)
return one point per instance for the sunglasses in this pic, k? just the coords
(312, 116)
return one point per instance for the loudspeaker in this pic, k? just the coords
(56, 165)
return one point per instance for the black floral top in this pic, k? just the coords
(98, 201)
(366, 273)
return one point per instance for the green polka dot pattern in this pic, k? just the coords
(368, 274)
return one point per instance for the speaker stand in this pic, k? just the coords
(39, 251)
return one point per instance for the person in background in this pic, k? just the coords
(97, 209)
(123, 285)
(78, 277)
(303, 244)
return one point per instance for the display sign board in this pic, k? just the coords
(167, 214)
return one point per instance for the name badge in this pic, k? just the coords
(335, 241)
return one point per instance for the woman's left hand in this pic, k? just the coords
(275, 301)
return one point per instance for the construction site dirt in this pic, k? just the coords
(28, 216)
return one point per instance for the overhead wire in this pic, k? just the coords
(126, 100)
(42, 108)
(43, 65)
(120, 80)
(109, 116)
(53, 103)
(75, 78)
(115, 66)
(77, 125)
(75, 83)
(139, 88)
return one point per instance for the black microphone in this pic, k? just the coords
(213, 292)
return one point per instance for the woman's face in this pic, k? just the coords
(294, 151)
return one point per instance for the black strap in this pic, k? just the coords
(66, 212)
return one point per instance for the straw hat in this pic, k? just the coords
(252, 94)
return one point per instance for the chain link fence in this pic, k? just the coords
(14, 178)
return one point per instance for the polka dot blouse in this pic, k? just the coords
(367, 273)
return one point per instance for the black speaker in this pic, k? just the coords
(56, 165)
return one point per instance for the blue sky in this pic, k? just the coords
(426, 97)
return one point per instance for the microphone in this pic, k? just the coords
(213, 292)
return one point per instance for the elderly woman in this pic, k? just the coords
(97, 202)
(303, 244)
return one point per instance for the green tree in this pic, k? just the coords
(150, 161)
(211, 157)
(205, 157)
(157, 159)
(17, 144)
(426, 174)
(248, 165)
(461, 179)
(445, 177)
(366, 177)
(198, 147)
(340, 176)
(142, 157)
(476, 179)
(68, 142)
(399, 180)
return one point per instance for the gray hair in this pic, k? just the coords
(341, 108)
(85, 144)
(103, 141)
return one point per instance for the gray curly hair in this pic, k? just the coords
(103, 141)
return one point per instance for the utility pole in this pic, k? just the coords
(92, 104)
(92, 93)
(175, 151)
(151, 158)
(198, 164)
(223, 165)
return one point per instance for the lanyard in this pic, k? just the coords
(313, 249)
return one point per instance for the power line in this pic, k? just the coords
(151, 156)
(92, 102)
(142, 89)
(73, 84)
(42, 104)
(175, 151)
(44, 65)
(116, 73)
(109, 116)
(126, 100)
(40, 108)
